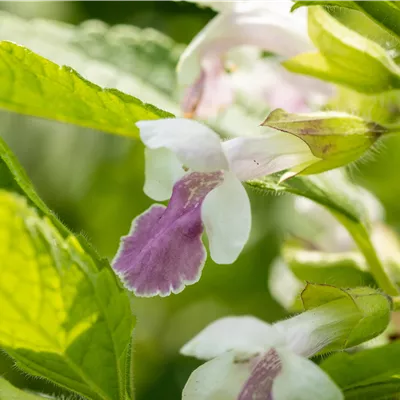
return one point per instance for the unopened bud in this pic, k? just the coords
(336, 138)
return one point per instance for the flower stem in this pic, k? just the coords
(396, 303)
(363, 241)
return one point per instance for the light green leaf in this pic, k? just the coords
(33, 85)
(62, 318)
(384, 13)
(334, 191)
(346, 4)
(9, 392)
(366, 311)
(340, 269)
(345, 57)
(371, 374)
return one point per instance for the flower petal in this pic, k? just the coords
(250, 23)
(301, 379)
(256, 156)
(162, 170)
(282, 375)
(210, 93)
(197, 146)
(259, 384)
(218, 379)
(245, 336)
(163, 251)
(226, 215)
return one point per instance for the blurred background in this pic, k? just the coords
(94, 181)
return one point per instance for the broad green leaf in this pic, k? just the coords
(340, 269)
(345, 57)
(333, 191)
(371, 374)
(62, 318)
(33, 85)
(384, 13)
(367, 311)
(9, 392)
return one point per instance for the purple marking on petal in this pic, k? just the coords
(163, 250)
(259, 384)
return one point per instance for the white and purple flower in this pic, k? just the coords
(250, 359)
(244, 26)
(187, 162)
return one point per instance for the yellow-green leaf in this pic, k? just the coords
(62, 318)
(33, 85)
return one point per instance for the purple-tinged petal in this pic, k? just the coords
(259, 384)
(163, 251)
(210, 93)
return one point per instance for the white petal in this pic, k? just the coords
(301, 379)
(249, 23)
(218, 379)
(257, 156)
(196, 146)
(162, 170)
(226, 215)
(245, 335)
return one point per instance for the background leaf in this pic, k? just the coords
(32, 85)
(371, 374)
(61, 318)
(333, 191)
(345, 57)
(384, 13)
(9, 392)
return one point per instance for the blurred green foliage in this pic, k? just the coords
(93, 181)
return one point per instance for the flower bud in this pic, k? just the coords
(336, 138)
(365, 313)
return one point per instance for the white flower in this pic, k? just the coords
(254, 360)
(187, 162)
(268, 26)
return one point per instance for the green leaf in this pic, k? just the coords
(371, 374)
(384, 13)
(33, 85)
(62, 318)
(345, 4)
(366, 311)
(340, 269)
(345, 57)
(333, 191)
(9, 392)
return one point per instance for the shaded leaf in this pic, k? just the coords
(333, 191)
(61, 318)
(9, 392)
(346, 269)
(371, 374)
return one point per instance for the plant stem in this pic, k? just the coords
(396, 303)
(363, 241)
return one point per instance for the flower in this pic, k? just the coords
(268, 26)
(251, 359)
(187, 162)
